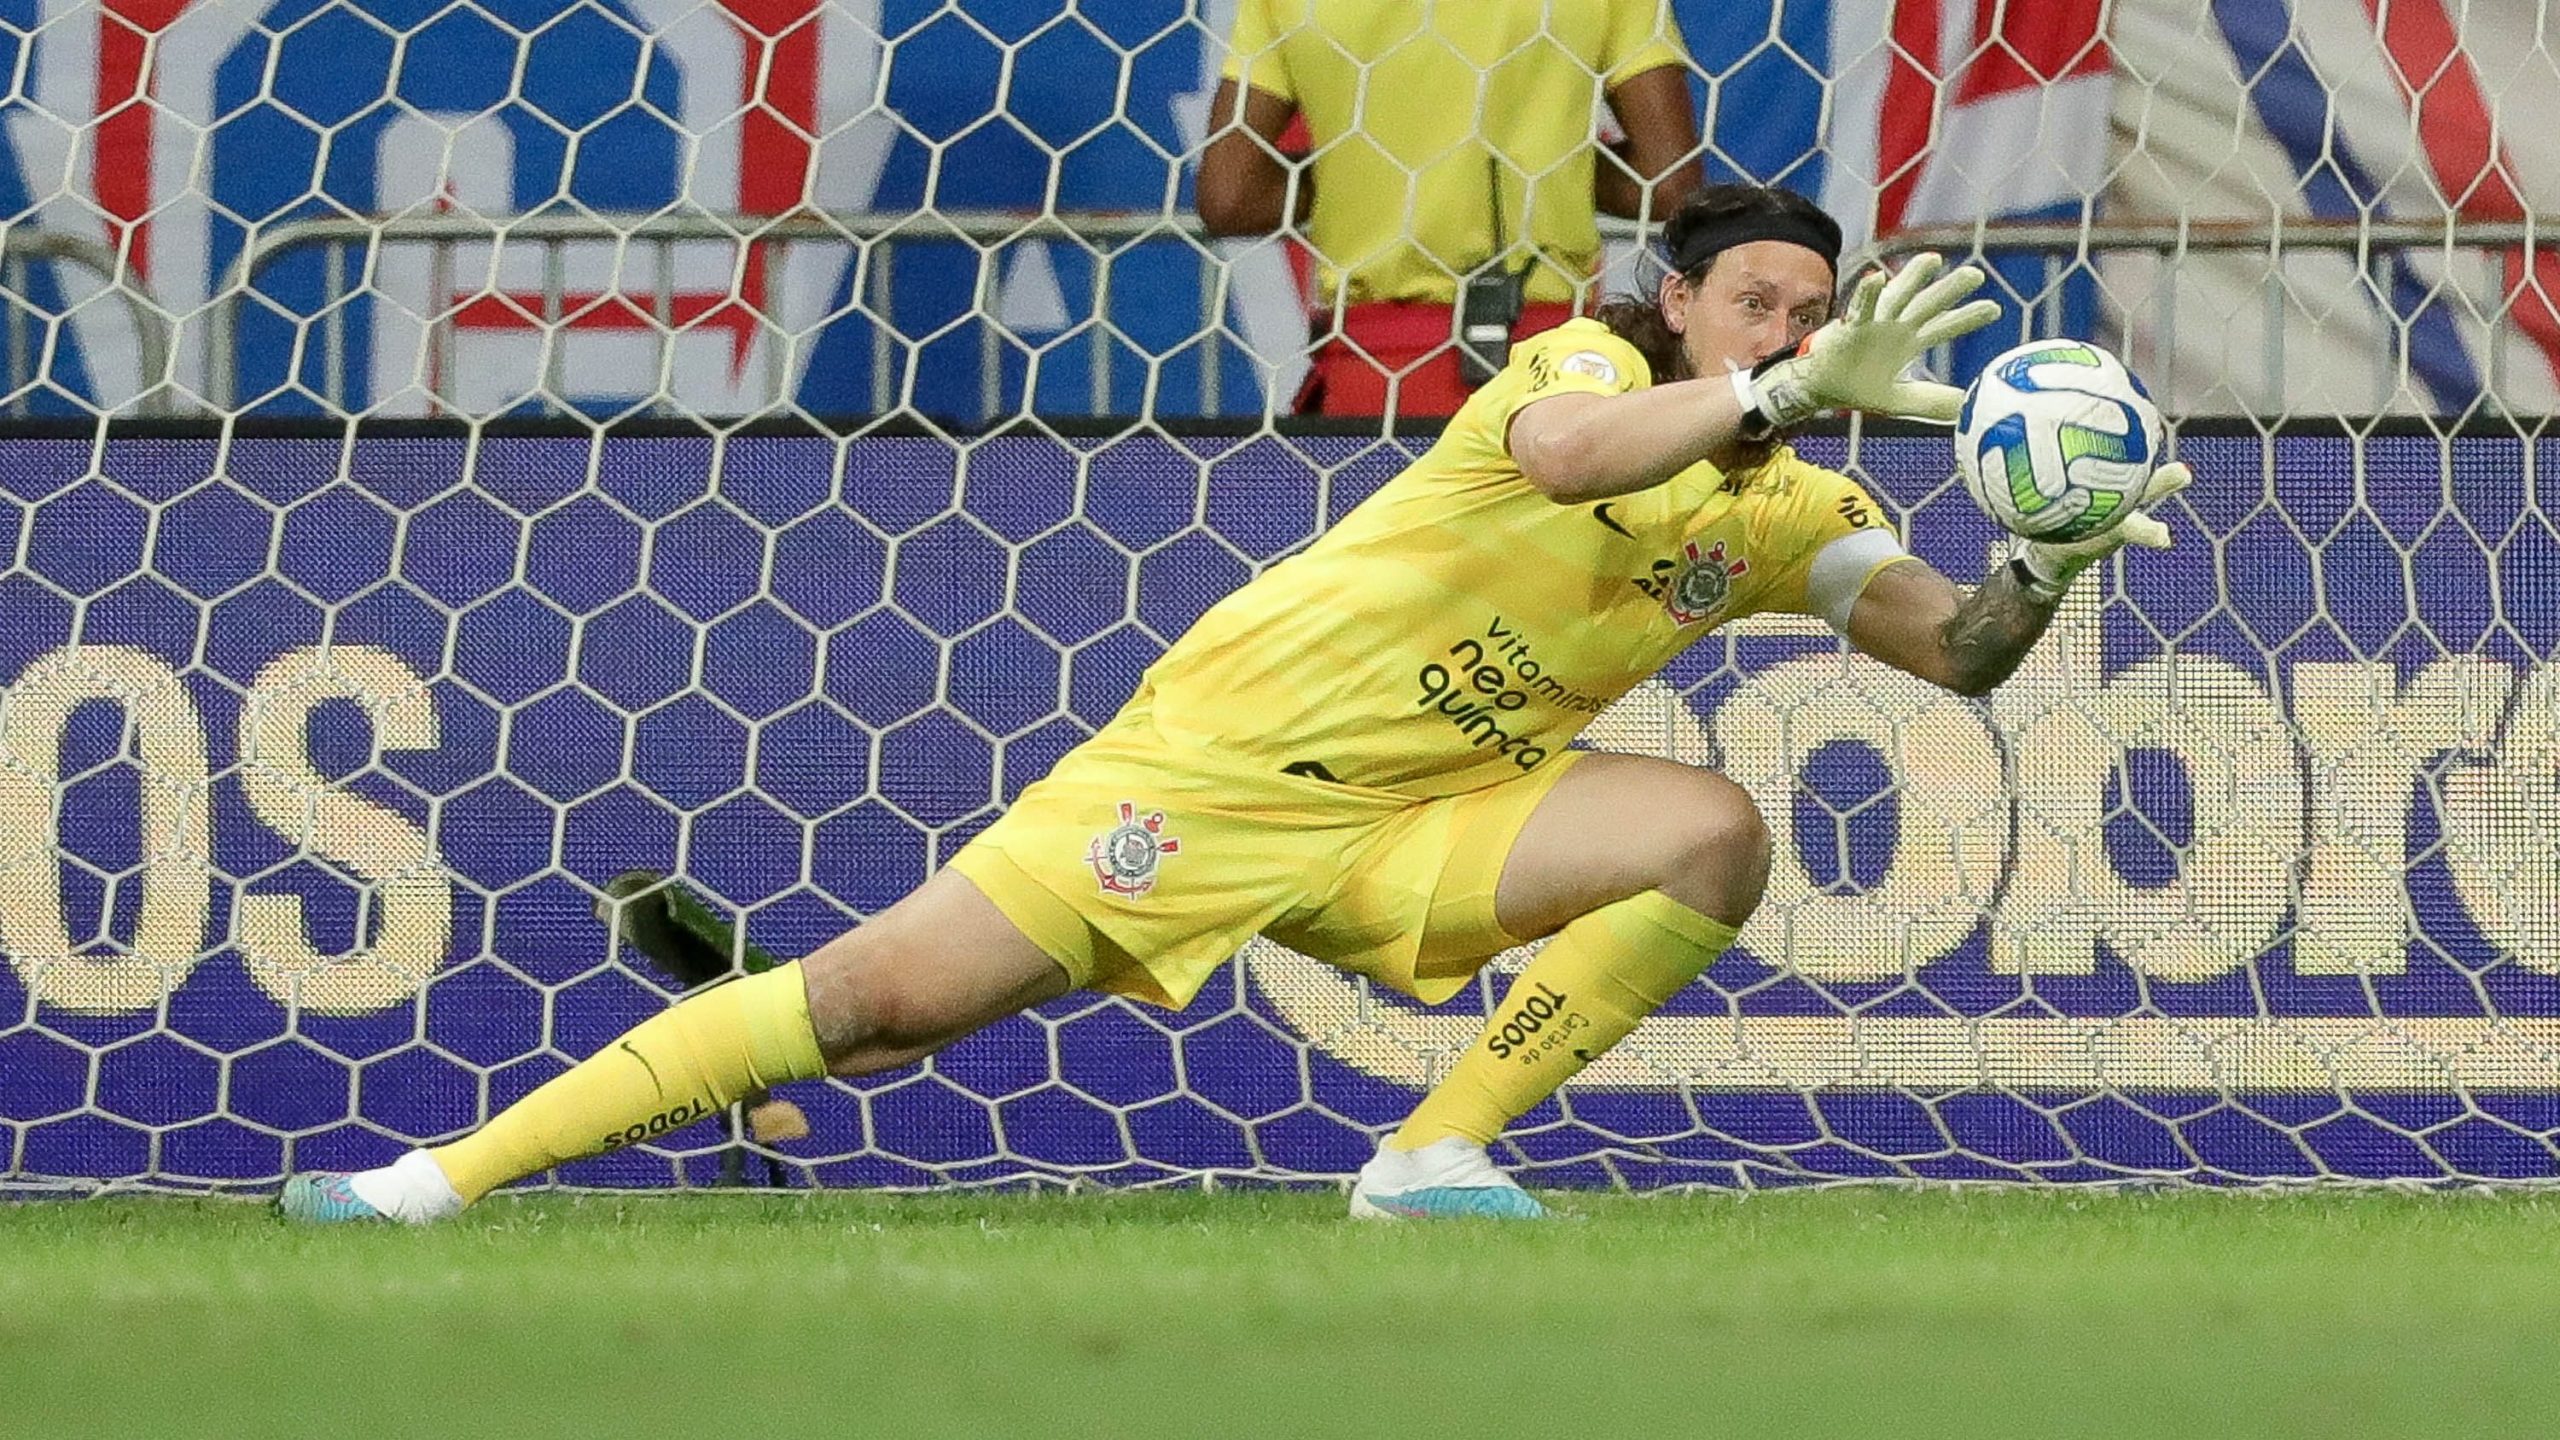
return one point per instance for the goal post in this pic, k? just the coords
(462, 489)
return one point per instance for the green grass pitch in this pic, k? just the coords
(1848, 1313)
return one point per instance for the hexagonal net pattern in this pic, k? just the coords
(463, 452)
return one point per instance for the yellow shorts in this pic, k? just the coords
(1142, 867)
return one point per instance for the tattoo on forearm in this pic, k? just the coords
(1992, 631)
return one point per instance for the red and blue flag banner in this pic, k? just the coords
(1948, 112)
(178, 133)
(2350, 112)
(1960, 112)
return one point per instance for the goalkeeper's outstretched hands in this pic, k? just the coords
(1857, 361)
(2048, 566)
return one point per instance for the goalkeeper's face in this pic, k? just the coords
(1753, 301)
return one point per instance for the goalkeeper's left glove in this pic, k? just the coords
(2046, 568)
(1856, 362)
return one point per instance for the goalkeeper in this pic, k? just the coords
(1363, 753)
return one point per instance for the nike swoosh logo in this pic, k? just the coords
(659, 1085)
(1601, 514)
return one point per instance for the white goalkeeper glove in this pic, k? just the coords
(1856, 362)
(2045, 568)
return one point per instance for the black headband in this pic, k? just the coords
(1816, 232)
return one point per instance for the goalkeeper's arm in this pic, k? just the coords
(1580, 447)
(1915, 619)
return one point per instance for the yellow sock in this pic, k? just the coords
(1580, 995)
(664, 1073)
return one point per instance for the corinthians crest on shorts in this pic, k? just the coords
(1124, 858)
(1703, 585)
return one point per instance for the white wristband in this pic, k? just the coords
(1753, 422)
(2044, 582)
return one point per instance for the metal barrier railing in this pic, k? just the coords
(875, 236)
(24, 245)
(2068, 246)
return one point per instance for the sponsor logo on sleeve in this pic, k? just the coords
(1591, 364)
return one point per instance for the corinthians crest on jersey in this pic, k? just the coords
(1699, 585)
(1125, 857)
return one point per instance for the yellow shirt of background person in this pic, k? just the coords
(1414, 108)
(1461, 627)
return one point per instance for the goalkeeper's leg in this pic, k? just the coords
(937, 965)
(1635, 918)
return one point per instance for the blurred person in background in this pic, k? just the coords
(1453, 176)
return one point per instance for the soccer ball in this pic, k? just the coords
(2056, 439)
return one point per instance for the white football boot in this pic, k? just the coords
(1446, 1180)
(411, 1190)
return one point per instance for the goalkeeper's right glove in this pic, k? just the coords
(2046, 568)
(1856, 362)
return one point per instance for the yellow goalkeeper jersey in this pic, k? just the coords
(1459, 628)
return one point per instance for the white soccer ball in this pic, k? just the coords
(2056, 439)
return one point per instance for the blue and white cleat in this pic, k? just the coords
(411, 1190)
(325, 1197)
(1446, 1180)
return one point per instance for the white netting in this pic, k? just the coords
(462, 452)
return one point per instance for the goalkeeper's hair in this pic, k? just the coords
(1711, 221)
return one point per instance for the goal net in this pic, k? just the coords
(455, 455)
